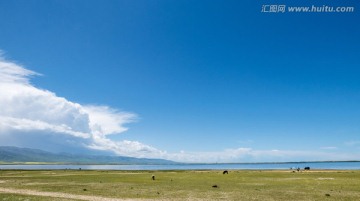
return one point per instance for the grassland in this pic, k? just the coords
(179, 185)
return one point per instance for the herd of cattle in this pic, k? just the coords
(298, 169)
(227, 172)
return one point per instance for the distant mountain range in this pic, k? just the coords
(13, 155)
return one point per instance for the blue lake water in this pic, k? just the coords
(220, 166)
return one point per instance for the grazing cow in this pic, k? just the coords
(226, 172)
(153, 177)
(307, 168)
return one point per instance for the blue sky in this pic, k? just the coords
(197, 79)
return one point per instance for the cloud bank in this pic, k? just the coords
(37, 118)
(34, 117)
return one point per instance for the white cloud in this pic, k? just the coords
(28, 112)
(127, 148)
(8, 123)
(28, 108)
(105, 120)
(252, 155)
(13, 73)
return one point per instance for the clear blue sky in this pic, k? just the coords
(202, 76)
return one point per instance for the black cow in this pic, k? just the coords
(306, 168)
(226, 172)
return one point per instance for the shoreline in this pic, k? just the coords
(291, 166)
(175, 163)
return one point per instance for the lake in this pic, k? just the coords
(218, 166)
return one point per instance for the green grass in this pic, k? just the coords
(190, 185)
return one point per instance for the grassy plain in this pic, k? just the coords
(179, 185)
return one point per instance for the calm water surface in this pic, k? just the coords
(237, 166)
